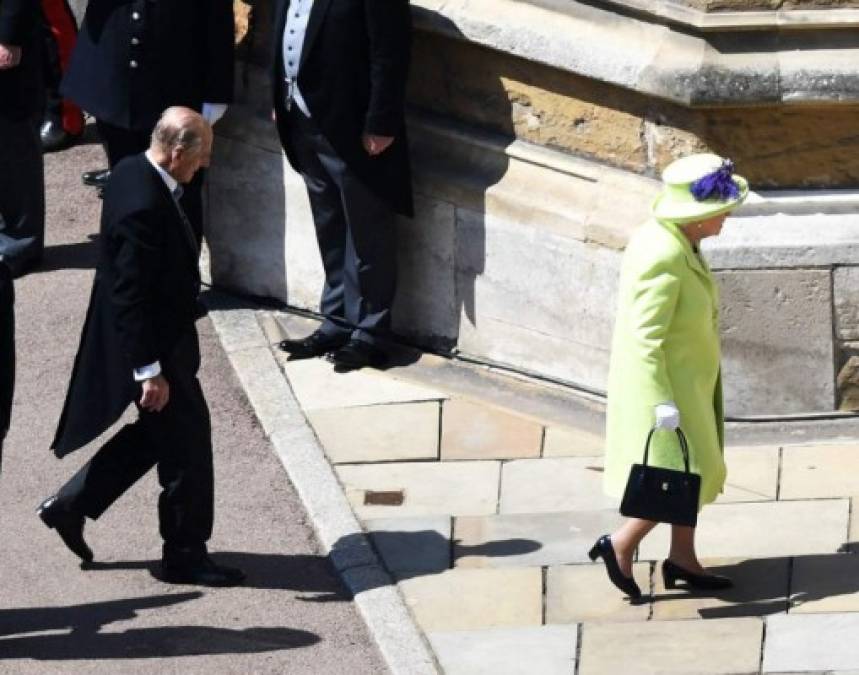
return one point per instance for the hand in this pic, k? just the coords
(156, 394)
(376, 145)
(212, 112)
(10, 56)
(667, 416)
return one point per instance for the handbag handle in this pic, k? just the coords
(684, 447)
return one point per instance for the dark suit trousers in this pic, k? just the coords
(7, 350)
(356, 232)
(178, 441)
(22, 193)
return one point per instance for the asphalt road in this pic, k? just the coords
(292, 616)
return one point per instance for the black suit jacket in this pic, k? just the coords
(21, 88)
(353, 73)
(7, 350)
(183, 51)
(144, 299)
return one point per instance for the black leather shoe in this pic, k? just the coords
(54, 137)
(70, 527)
(201, 572)
(97, 179)
(315, 344)
(672, 573)
(603, 549)
(357, 354)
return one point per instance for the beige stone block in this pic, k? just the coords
(557, 484)
(578, 593)
(825, 583)
(458, 489)
(726, 646)
(380, 433)
(472, 599)
(815, 471)
(471, 430)
(853, 532)
(812, 643)
(760, 589)
(571, 442)
(752, 474)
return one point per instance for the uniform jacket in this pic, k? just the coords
(134, 58)
(21, 87)
(7, 350)
(665, 348)
(353, 73)
(144, 299)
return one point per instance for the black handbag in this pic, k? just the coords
(662, 495)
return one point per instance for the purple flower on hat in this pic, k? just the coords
(717, 185)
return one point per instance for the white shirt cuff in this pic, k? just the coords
(147, 372)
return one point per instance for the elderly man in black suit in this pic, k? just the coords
(140, 344)
(135, 58)
(22, 182)
(7, 350)
(339, 98)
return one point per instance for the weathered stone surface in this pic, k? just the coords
(305, 276)
(827, 583)
(570, 442)
(812, 643)
(548, 650)
(583, 593)
(819, 471)
(752, 474)
(561, 484)
(846, 292)
(471, 430)
(412, 547)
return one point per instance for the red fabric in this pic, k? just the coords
(65, 31)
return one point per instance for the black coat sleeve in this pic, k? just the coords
(220, 38)
(7, 348)
(17, 18)
(389, 30)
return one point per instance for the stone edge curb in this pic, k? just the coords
(388, 619)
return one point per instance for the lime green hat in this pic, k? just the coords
(698, 187)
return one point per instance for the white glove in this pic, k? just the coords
(667, 416)
(212, 112)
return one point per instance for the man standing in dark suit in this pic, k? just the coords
(22, 181)
(7, 350)
(140, 344)
(339, 99)
(135, 58)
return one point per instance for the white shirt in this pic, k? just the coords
(294, 32)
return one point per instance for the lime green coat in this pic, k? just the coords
(665, 348)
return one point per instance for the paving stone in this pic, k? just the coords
(412, 546)
(378, 433)
(471, 599)
(471, 430)
(853, 536)
(819, 471)
(429, 488)
(728, 646)
(547, 650)
(761, 530)
(825, 583)
(811, 642)
(752, 474)
(529, 538)
(578, 593)
(317, 386)
(760, 588)
(570, 442)
(558, 484)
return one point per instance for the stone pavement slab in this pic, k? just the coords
(428, 488)
(557, 484)
(752, 474)
(811, 642)
(529, 538)
(579, 593)
(471, 599)
(760, 589)
(412, 546)
(816, 471)
(825, 583)
(570, 442)
(723, 646)
(378, 433)
(547, 650)
(762, 530)
(471, 430)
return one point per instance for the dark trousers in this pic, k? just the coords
(7, 350)
(356, 232)
(120, 143)
(179, 441)
(22, 194)
(60, 33)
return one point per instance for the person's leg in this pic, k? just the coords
(120, 143)
(682, 551)
(626, 539)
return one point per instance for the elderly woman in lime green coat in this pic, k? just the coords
(665, 361)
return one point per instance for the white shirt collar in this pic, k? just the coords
(169, 181)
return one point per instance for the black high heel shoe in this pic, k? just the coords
(603, 549)
(672, 573)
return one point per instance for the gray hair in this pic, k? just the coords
(178, 127)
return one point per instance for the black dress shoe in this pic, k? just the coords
(603, 549)
(54, 137)
(357, 354)
(70, 527)
(201, 571)
(315, 344)
(97, 179)
(672, 573)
